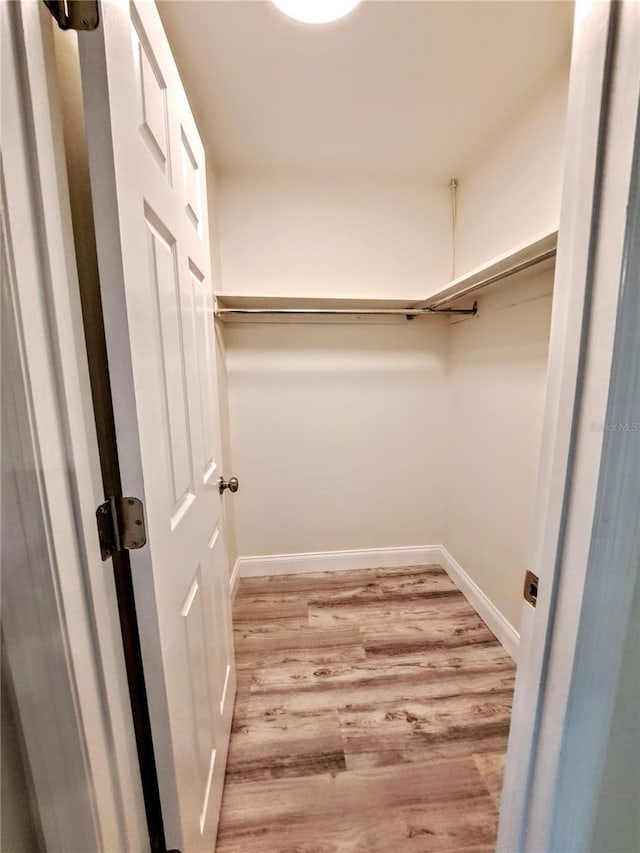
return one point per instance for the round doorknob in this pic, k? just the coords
(232, 484)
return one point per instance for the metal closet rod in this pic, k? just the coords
(409, 313)
(498, 276)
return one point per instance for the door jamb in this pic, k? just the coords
(600, 138)
(79, 640)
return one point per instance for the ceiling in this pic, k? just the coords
(399, 88)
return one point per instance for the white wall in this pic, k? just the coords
(228, 467)
(333, 237)
(498, 361)
(228, 470)
(497, 380)
(326, 420)
(338, 434)
(372, 436)
(511, 193)
(386, 435)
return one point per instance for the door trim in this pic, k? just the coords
(71, 659)
(613, 565)
(603, 102)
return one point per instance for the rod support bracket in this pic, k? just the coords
(75, 14)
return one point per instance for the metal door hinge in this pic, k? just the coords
(120, 525)
(74, 14)
(531, 588)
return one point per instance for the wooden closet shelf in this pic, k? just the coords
(251, 308)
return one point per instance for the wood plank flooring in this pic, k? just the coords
(372, 715)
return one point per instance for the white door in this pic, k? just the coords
(149, 194)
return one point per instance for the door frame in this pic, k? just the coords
(582, 594)
(63, 644)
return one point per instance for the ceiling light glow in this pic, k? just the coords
(316, 11)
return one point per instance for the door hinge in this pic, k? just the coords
(531, 588)
(74, 14)
(120, 525)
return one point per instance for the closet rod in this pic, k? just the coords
(427, 307)
(409, 313)
(491, 279)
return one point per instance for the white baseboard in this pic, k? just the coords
(337, 561)
(503, 630)
(387, 558)
(233, 579)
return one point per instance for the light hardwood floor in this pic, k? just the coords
(372, 715)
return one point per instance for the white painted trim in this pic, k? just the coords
(539, 804)
(503, 630)
(64, 648)
(337, 561)
(233, 579)
(387, 558)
